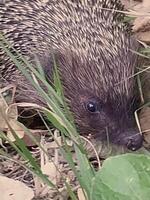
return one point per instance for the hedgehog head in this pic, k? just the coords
(101, 93)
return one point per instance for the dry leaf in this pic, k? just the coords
(146, 3)
(50, 170)
(142, 23)
(17, 128)
(144, 118)
(80, 194)
(56, 143)
(129, 4)
(3, 107)
(36, 134)
(11, 115)
(14, 190)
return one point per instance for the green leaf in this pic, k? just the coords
(125, 177)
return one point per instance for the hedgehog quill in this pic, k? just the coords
(93, 48)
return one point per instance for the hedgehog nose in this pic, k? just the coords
(134, 142)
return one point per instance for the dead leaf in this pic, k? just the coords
(146, 3)
(12, 112)
(9, 115)
(14, 190)
(17, 129)
(80, 194)
(142, 23)
(129, 4)
(36, 134)
(144, 118)
(3, 107)
(56, 143)
(50, 170)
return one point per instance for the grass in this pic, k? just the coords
(95, 183)
(55, 113)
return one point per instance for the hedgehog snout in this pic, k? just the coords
(133, 140)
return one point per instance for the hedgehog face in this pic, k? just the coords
(103, 121)
(100, 107)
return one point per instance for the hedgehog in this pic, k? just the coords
(94, 51)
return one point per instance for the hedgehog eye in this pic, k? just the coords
(91, 106)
